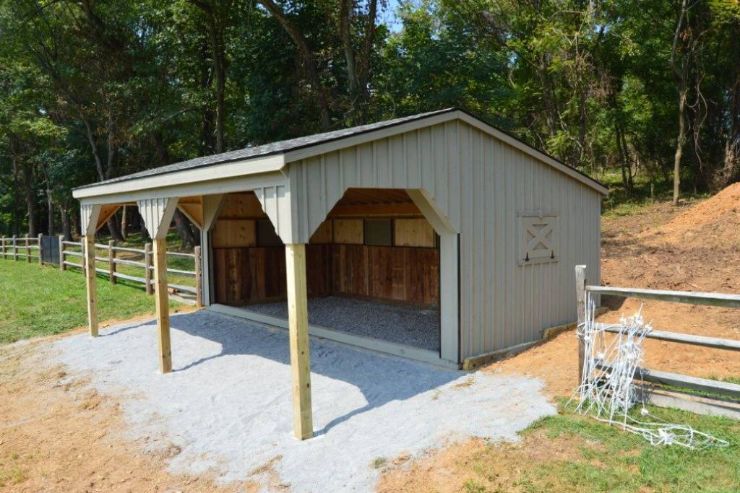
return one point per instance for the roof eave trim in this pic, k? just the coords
(243, 167)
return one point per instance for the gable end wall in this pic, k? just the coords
(480, 184)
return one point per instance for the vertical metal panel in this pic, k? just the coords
(479, 185)
(157, 214)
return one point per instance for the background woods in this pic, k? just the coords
(640, 94)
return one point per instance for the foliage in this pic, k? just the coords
(93, 89)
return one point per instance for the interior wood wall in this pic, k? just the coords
(338, 263)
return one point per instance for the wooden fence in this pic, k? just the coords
(113, 257)
(669, 389)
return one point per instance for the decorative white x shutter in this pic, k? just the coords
(538, 237)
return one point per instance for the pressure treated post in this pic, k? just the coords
(61, 252)
(41, 257)
(581, 304)
(28, 249)
(92, 316)
(2, 242)
(15, 248)
(198, 278)
(111, 261)
(295, 262)
(148, 268)
(162, 303)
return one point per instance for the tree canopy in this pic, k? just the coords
(93, 89)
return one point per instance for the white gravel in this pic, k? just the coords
(387, 321)
(226, 408)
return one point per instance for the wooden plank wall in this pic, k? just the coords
(246, 272)
(405, 274)
(257, 274)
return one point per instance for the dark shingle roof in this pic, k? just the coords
(268, 149)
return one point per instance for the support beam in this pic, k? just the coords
(295, 261)
(92, 295)
(162, 303)
(157, 215)
(89, 218)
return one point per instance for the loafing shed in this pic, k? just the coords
(436, 237)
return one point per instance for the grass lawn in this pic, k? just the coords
(569, 452)
(37, 301)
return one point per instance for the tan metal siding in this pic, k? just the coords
(480, 184)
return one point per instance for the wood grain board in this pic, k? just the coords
(401, 274)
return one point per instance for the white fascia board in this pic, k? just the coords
(211, 187)
(531, 151)
(245, 167)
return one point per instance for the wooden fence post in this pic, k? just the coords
(15, 248)
(61, 252)
(581, 305)
(41, 258)
(28, 249)
(198, 278)
(2, 241)
(148, 268)
(111, 261)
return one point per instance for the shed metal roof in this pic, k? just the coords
(285, 146)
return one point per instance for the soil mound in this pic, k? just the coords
(712, 222)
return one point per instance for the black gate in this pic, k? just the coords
(50, 249)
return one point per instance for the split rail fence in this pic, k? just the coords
(55, 250)
(673, 389)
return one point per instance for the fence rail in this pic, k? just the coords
(719, 389)
(63, 251)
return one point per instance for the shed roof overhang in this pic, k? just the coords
(263, 165)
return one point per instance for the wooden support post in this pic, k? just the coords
(61, 252)
(2, 242)
(162, 303)
(295, 261)
(28, 249)
(15, 248)
(40, 240)
(92, 316)
(581, 306)
(111, 262)
(148, 268)
(198, 278)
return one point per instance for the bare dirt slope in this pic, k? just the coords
(694, 247)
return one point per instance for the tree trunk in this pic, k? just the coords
(307, 57)
(30, 200)
(124, 222)
(66, 225)
(680, 141)
(185, 230)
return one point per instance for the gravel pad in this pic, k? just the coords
(390, 322)
(226, 408)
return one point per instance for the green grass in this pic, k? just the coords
(38, 301)
(609, 459)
